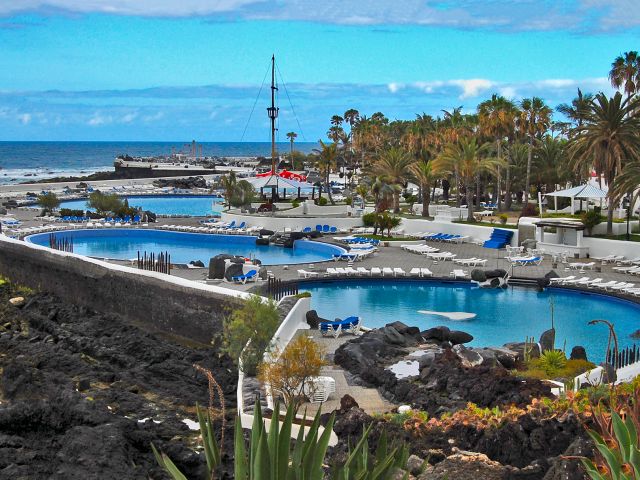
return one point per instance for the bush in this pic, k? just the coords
(295, 203)
(529, 210)
(322, 201)
(503, 218)
(48, 201)
(591, 219)
(257, 321)
(67, 212)
(370, 219)
(348, 200)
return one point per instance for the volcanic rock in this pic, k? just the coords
(578, 353)
(548, 340)
(469, 358)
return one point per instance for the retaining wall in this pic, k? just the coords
(151, 300)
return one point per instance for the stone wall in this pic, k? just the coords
(151, 300)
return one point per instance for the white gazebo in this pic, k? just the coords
(581, 192)
(276, 182)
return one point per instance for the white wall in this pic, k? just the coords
(601, 247)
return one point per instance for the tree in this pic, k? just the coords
(467, 157)
(228, 184)
(105, 203)
(534, 120)
(327, 156)
(48, 201)
(625, 73)
(423, 173)
(497, 121)
(387, 222)
(292, 136)
(289, 372)
(607, 138)
(248, 332)
(394, 164)
(242, 194)
(577, 110)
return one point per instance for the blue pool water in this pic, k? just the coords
(192, 205)
(125, 244)
(502, 315)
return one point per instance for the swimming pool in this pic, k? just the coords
(192, 205)
(124, 244)
(502, 316)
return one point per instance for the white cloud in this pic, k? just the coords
(154, 117)
(575, 15)
(24, 118)
(129, 117)
(99, 119)
(472, 87)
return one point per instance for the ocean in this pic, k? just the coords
(28, 161)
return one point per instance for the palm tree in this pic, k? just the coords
(577, 110)
(468, 158)
(228, 184)
(534, 120)
(394, 165)
(351, 116)
(337, 120)
(549, 163)
(327, 156)
(625, 73)
(423, 173)
(516, 161)
(497, 120)
(292, 136)
(607, 138)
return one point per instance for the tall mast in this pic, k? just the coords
(273, 114)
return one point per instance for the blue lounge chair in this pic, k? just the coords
(136, 219)
(348, 325)
(333, 229)
(251, 275)
(318, 228)
(325, 229)
(306, 230)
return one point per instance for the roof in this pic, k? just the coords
(560, 223)
(581, 191)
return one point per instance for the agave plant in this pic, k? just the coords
(269, 455)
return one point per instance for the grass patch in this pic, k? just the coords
(634, 237)
(571, 369)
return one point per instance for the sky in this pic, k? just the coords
(153, 70)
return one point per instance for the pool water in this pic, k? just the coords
(124, 244)
(192, 205)
(502, 316)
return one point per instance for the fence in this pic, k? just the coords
(277, 289)
(64, 244)
(156, 263)
(625, 357)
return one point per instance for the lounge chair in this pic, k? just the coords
(577, 280)
(426, 272)
(376, 271)
(525, 261)
(348, 325)
(250, 276)
(363, 271)
(306, 274)
(331, 271)
(415, 272)
(387, 271)
(458, 273)
(399, 271)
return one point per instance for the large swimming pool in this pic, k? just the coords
(192, 205)
(124, 244)
(501, 315)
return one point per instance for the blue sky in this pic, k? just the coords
(169, 70)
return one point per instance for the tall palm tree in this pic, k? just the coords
(534, 120)
(549, 163)
(393, 164)
(608, 138)
(351, 116)
(422, 172)
(292, 136)
(327, 156)
(228, 184)
(468, 158)
(337, 120)
(516, 159)
(497, 120)
(577, 110)
(625, 73)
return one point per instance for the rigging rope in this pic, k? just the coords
(255, 103)
(290, 103)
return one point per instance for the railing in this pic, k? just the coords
(278, 289)
(64, 244)
(625, 357)
(155, 263)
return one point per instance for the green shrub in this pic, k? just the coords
(348, 200)
(503, 218)
(67, 212)
(257, 321)
(48, 201)
(369, 219)
(591, 219)
(322, 201)
(295, 203)
(552, 361)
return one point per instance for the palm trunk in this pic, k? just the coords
(469, 192)
(478, 187)
(499, 178)
(457, 188)
(328, 183)
(426, 198)
(396, 202)
(507, 188)
(529, 158)
(610, 216)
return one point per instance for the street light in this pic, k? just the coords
(626, 203)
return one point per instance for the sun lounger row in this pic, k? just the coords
(631, 270)
(22, 232)
(445, 237)
(375, 271)
(610, 258)
(597, 283)
(470, 262)
(420, 249)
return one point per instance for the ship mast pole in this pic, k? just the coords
(273, 114)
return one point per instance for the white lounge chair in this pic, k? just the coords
(399, 271)
(376, 271)
(387, 271)
(415, 272)
(363, 271)
(458, 273)
(426, 272)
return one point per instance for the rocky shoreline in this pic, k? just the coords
(83, 394)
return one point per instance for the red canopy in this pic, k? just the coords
(285, 174)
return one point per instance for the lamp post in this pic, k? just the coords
(627, 204)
